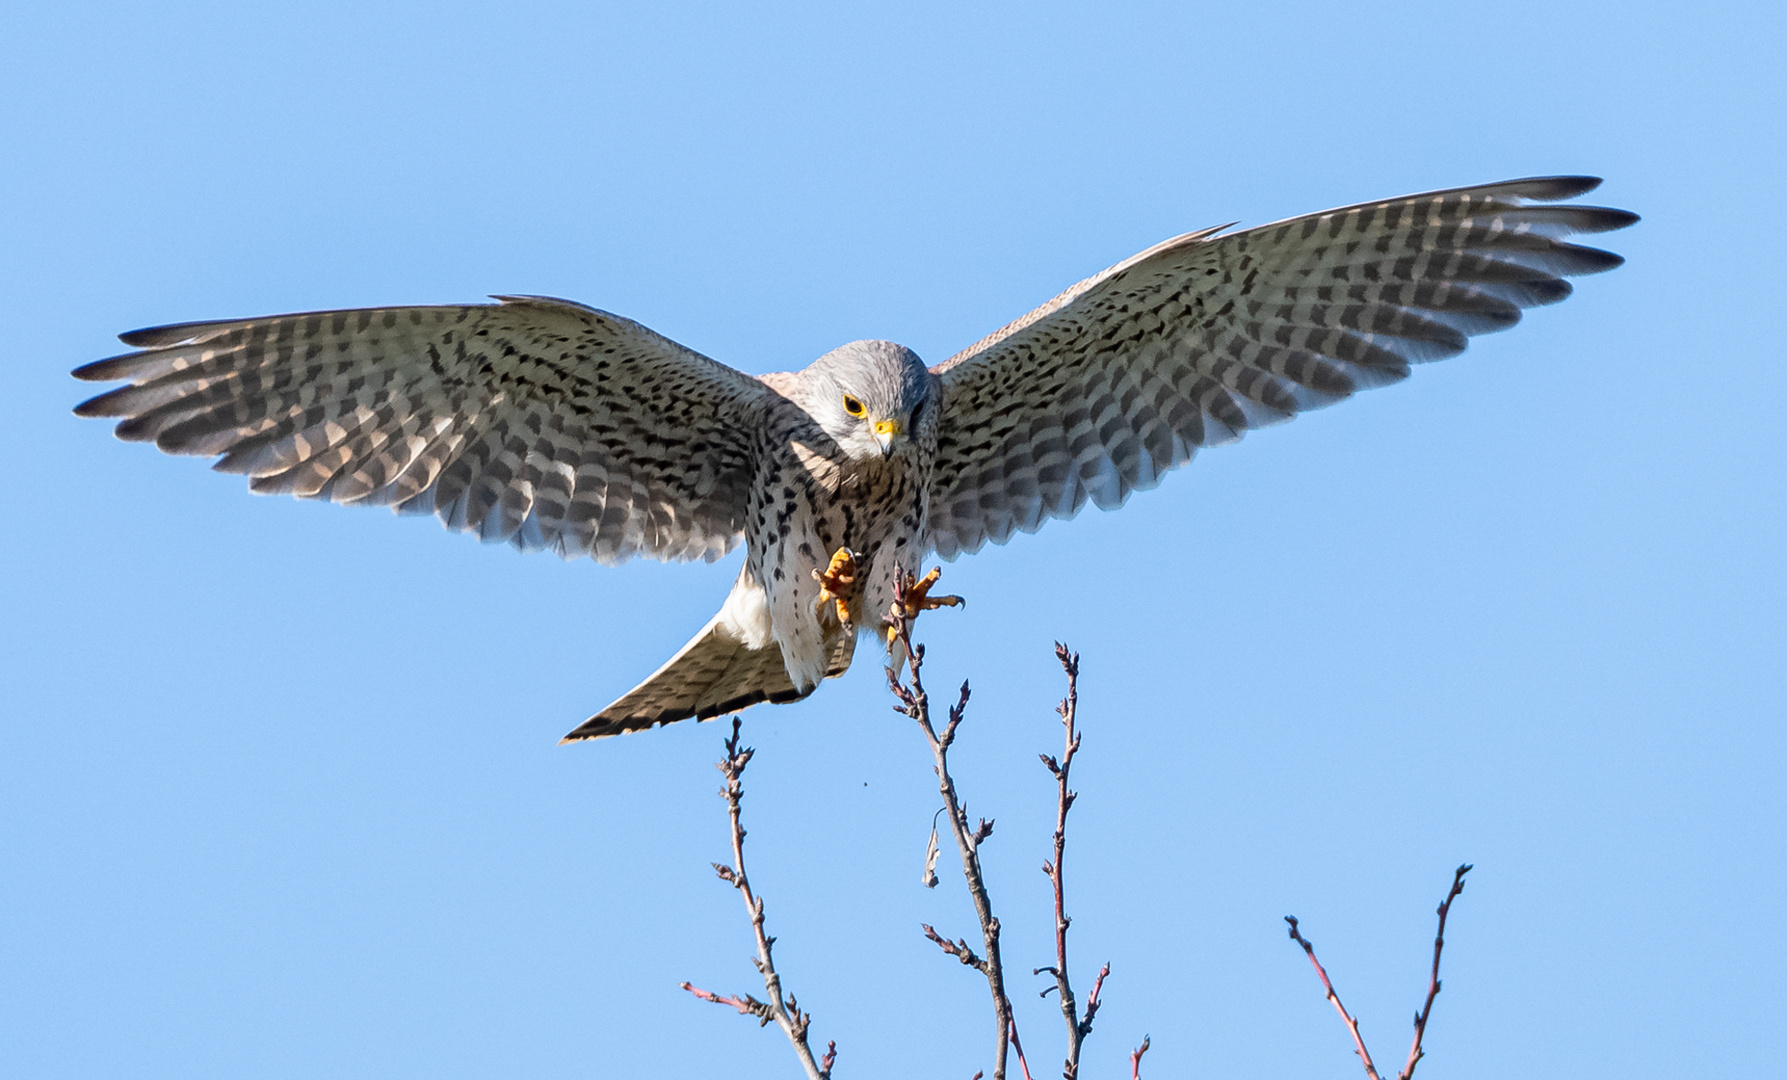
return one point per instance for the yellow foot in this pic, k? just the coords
(838, 585)
(918, 595)
(914, 598)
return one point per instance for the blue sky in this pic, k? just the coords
(279, 789)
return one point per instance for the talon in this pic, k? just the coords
(912, 599)
(919, 598)
(838, 585)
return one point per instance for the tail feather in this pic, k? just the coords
(714, 674)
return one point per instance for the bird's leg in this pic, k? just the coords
(910, 598)
(838, 585)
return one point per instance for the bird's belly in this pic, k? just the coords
(878, 517)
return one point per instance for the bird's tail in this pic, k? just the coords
(714, 674)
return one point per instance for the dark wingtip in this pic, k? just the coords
(1589, 260)
(148, 335)
(171, 334)
(93, 406)
(1600, 219)
(1555, 188)
(112, 367)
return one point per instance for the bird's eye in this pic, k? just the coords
(853, 406)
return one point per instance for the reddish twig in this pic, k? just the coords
(1333, 998)
(1092, 999)
(1433, 980)
(1018, 1049)
(1433, 985)
(748, 1005)
(916, 704)
(1078, 1027)
(1135, 1059)
(786, 1013)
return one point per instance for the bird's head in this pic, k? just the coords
(874, 398)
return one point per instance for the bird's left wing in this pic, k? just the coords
(1194, 341)
(538, 421)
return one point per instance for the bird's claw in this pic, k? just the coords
(918, 595)
(914, 598)
(838, 584)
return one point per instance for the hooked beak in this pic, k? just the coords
(886, 431)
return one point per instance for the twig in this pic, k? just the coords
(1135, 1059)
(747, 1005)
(958, 949)
(915, 704)
(1433, 980)
(1433, 985)
(786, 1014)
(1017, 1048)
(1078, 1027)
(1346, 1017)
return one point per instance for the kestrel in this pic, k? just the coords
(554, 425)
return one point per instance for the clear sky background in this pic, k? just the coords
(279, 789)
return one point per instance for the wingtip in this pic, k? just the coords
(148, 336)
(92, 407)
(112, 367)
(1557, 188)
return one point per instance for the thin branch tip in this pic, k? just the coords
(784, 1013)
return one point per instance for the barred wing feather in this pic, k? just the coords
(1197, 340)
(541, 422)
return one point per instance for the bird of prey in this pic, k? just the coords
(554, 425)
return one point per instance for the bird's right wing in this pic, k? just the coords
(538, 421)
(1191, 343)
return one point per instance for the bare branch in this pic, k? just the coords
(1433, 980)
(747, 1005)
(1017, 1048)
(786, 1013)
(1078, 1027)
(1085, 1025)
(1135, 1059)
(958, 948)
(1334, 999)
(1433, 984)
(911, 597)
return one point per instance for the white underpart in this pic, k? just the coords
(795, 626)
(745, 615)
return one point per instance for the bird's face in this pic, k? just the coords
(874, 398)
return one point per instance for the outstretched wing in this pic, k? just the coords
(1106, 387)
(538, 421)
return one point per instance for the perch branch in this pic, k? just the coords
(909, 599)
